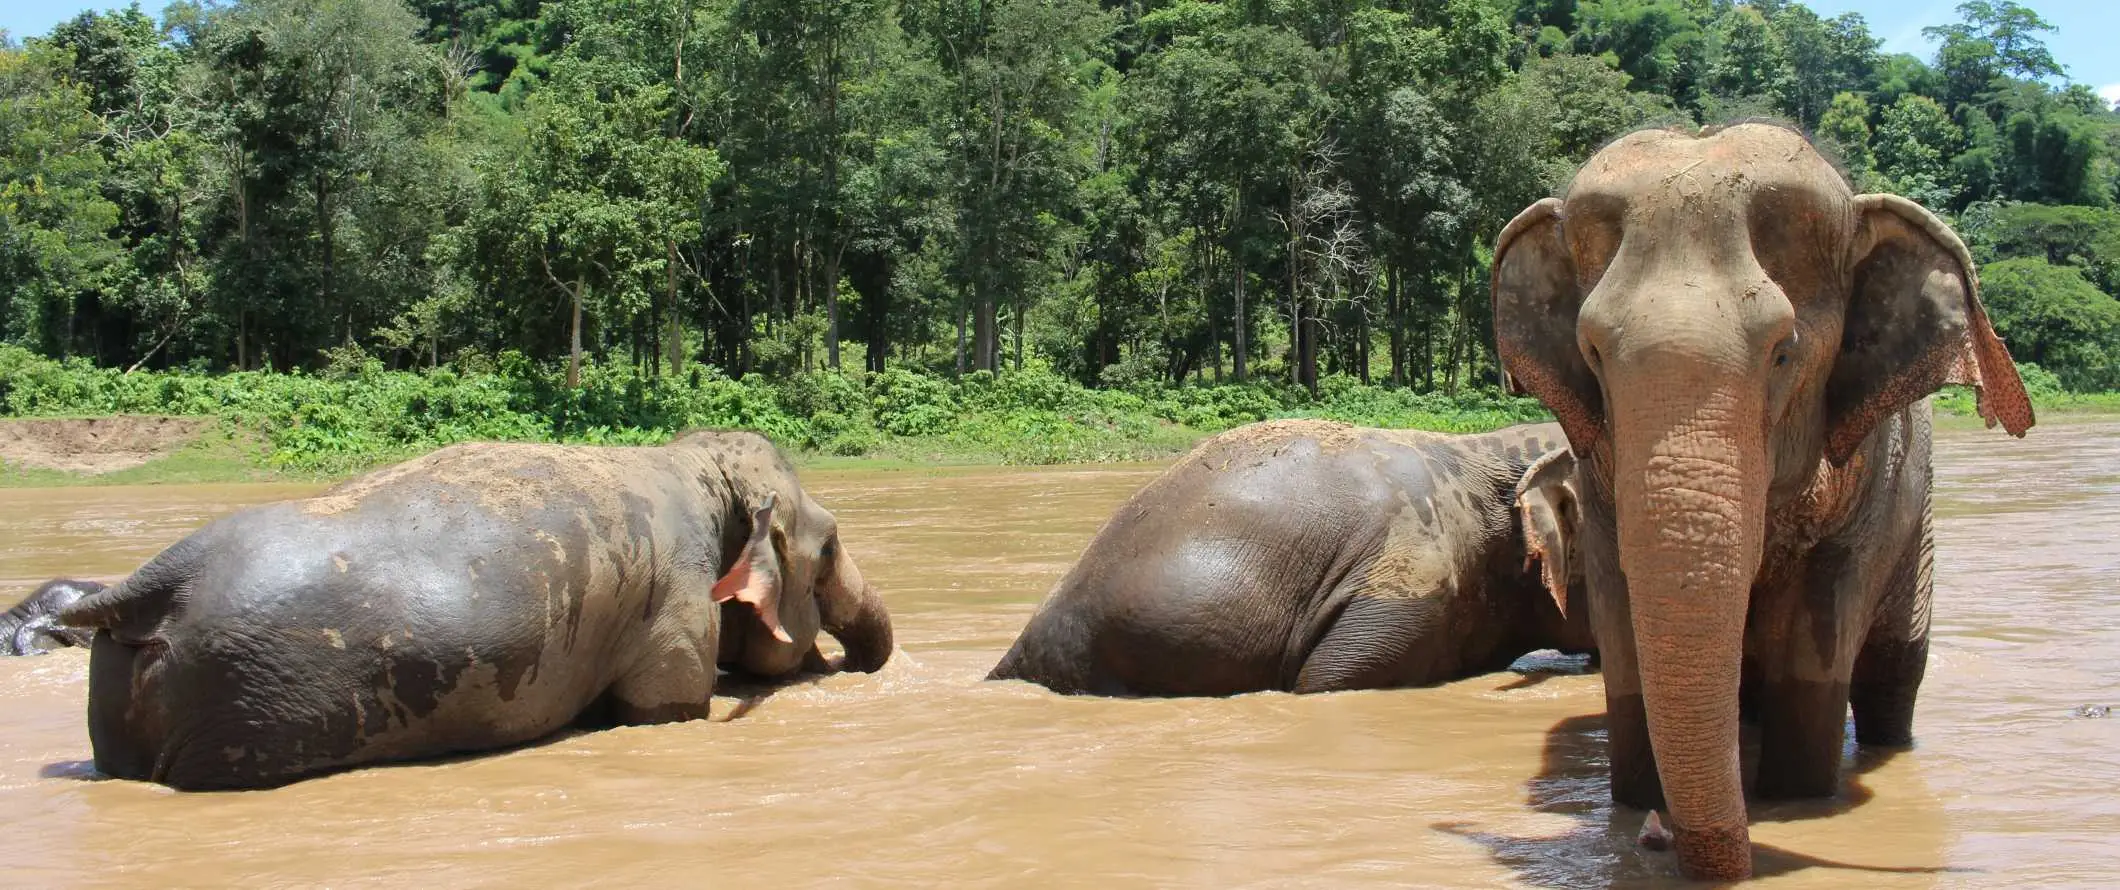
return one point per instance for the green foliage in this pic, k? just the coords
(1039, 228)
(54, 246)
(2053, 317)
(358, 414)
(1912, 145)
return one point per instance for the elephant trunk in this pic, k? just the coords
(863, 627)
(1690, 496)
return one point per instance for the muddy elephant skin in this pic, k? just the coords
(478, 597)
(1740, 349)
(1312, 556)
(32, 626)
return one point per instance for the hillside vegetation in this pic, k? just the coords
(1016, 229)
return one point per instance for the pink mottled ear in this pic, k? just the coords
(754, 579)
(1914, 323)
(1545, 505)
(1536, 300)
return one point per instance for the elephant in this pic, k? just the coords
(35, 620)
(1739, 350)
(1311, 556)
(479, 597)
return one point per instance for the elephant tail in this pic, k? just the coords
(136, 605)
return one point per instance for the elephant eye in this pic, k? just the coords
(1782, 350)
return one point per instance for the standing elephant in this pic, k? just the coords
(33, 623)
(478, 597)
(1739, 349)
(1314, 556)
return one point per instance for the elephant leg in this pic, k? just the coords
(1896, 655)
(1376, 642)
(674, 684)
(1803, 726)
(1802, 646)
(674, 680)
(1887, 677)
(1635, 782)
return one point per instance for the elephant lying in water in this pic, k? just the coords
(478, 597)
(1739, 349)
(1313, 556)
(33, 624)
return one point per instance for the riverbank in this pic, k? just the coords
(67, 423)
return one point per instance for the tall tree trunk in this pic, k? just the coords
(961, 310)
(1237, 346)
(1425, 367)
(984, 341)
(676, 342)
(1395, 322)
(831, 307)
(1361, 340)
(1207, 305)
(574, 339)
(329, 281)
(879, 342)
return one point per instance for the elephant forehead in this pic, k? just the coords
(1658, 169)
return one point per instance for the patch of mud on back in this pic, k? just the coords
(95, 445)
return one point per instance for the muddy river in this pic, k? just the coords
(923, 776)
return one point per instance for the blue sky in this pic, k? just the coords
(2082, 25)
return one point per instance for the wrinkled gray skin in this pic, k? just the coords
(32, 626)
(478, 597)
(1311, 556)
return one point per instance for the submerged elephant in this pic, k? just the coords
(478, 597)
(33, 624)
(1313, 556)
(1738, 348)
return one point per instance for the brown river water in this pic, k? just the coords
(924, 776)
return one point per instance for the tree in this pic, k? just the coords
(1823, 58)
(592, 199)
(313, 116)
(2084, 238)
(2010, 32)
(1911, 145)
(2051, 316)
(1845, 129)
(1660, 43)
(1016, 69)
(54, 220)
(1749, 60)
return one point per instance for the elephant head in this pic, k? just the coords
(795, 577)
(1716, 319)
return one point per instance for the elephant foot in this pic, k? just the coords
(1724, 855)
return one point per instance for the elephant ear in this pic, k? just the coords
(1914, 323)
(1545, 507)
(754, 578)
(1536, 300)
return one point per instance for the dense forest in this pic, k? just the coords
(1127, 192)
